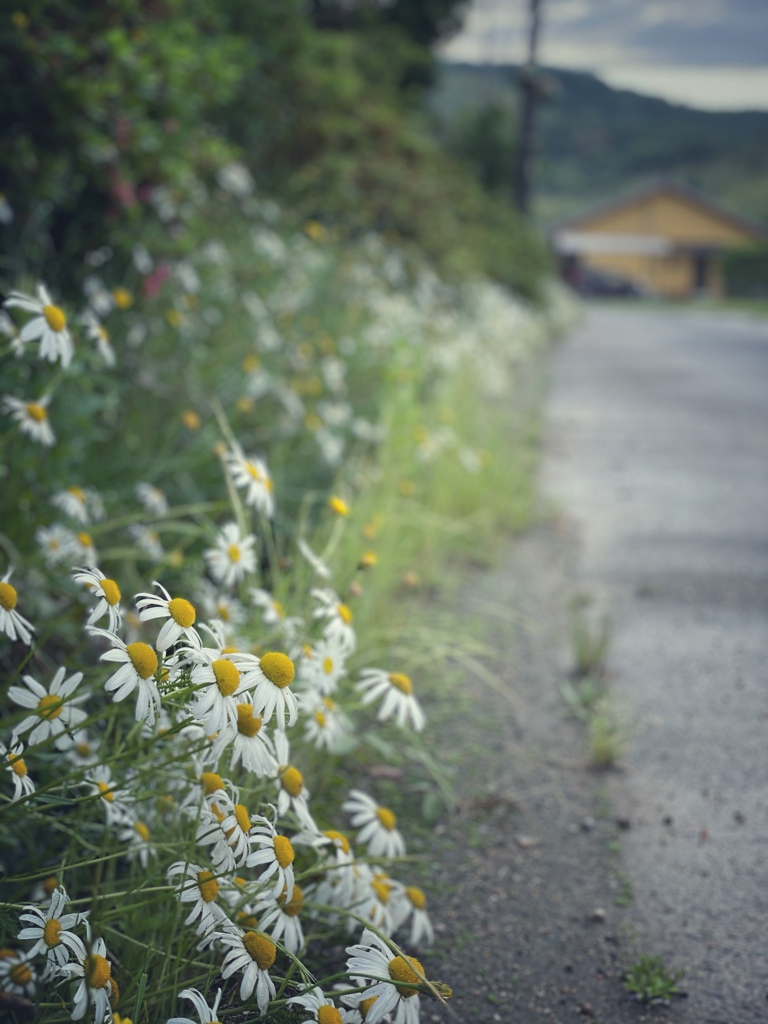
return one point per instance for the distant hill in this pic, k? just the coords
(594, 141)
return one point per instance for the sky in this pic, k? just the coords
(711, 54)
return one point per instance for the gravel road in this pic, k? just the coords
(658, 455)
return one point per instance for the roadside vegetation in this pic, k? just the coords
(258, 358)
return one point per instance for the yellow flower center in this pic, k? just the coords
(227, 676)
(368, 560)
(234, 552)
(248, 724)
(111, 592)
(382, 887)
(211, 781)
(401, 682)
(191, 419)
(241, 816)
(320, 718)
(105, 792)
(401, 969)
(77, 493)
(261, 949)
(365, 1005)
(142, 830)
(182, 612)
(18, 767)
(253, 471)
(339, 506)
(55, 318)
(8, 597)
(284, 852)
(51, 932)
(37, 412)
(416, 896)
(328, 1015)
(143, 659)
(292, 781)
(97, 971)
(292, 907)
(123, 298)
(50, 706)
(345, 613)
(278, 668)
(83, 749)
(49, 884)
(251, 363)
(337, 837)
(327, 665)
(278, 608)
(85, 539)
(386, 817)
(208, 886)
(20, 974)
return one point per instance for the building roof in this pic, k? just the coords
(653, 188)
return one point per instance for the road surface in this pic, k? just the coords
(658, 451)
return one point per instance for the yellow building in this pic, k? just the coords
(662, 240)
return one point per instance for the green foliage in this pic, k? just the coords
(745, 272)
(486, 140)
(102, 104)
(651, 981)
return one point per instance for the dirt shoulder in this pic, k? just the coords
(525, 879)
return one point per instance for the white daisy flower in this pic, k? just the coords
(338, 882)
(251, 746)
(178, 611)
(83, 549)
(32, 418)
(377, 824)
(152, 498)
(148, 541)
(318, 565)
(96, 984)
(253, 954)
(398, 699)
(49, 325)
(17, 974)
(117, 809)
(372, 893)
(225, 827)
(251, 475)
(83, 504)
(138, 667)
(319, 1008)
(221, 677)
(323, 665)
(280, 918)
(15, 626)
(337, 615)
(408, 901)
(270, 689)
(50, 931)
(292, 794)
(372, 960)
(200, 888)
(58, 543)
(54, 713)
(273, 614)
(98, 333)
(136, 834)
(232, 556)
(228, 611)
(17, 766)
(326, 726)
(84, 751)
(107, 592)
(276, 856)
(206, 1013)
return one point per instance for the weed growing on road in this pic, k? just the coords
(650, 981)
(590, 637)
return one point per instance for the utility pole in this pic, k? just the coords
(529, 87)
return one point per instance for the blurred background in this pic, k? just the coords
(622, 142)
